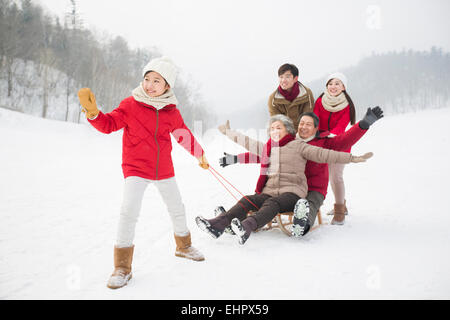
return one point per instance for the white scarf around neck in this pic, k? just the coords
(334, 104)
(307, 139)
(159, 102)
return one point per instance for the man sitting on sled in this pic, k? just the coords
(282, 183)
(316, 173)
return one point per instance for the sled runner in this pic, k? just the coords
(283, 221)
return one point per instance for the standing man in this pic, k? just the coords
(291, 98)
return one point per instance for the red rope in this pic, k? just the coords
(224, 185)
(214, 172)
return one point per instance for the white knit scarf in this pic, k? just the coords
(307, 139)
(334, 104)
(159, 102)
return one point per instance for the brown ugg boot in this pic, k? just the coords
(186, 250)
(331, 212)
(122, 267)
(339, 214)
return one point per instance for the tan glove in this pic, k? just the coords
(363, 158)
(87, 101)
(224, 127)
(203, 163)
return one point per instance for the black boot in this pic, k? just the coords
(204, 225)
(221, 210)
(215, 226)
(243, 229)
(301, 225)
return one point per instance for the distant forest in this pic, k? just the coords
(32, 39)
(398, 81)
(44, 61)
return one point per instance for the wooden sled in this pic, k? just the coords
(283, 221)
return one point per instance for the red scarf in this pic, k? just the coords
(265, 159)
(290, 96)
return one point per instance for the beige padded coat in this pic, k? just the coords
(286, 172)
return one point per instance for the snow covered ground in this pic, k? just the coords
(61, 190)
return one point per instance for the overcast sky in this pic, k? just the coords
(232, 49)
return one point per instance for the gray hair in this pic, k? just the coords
(286, 121)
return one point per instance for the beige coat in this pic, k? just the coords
(303, 103)
(286, 172)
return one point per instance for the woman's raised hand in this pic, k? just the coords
(363, 158)
(372, 115)
(228, 159)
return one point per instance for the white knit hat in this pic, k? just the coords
(165, 67)
(340, 76)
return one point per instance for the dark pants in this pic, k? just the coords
(268, 206)
(315, 200)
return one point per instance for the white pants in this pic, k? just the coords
(336, 171)
(133, 193)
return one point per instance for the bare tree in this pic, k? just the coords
(9, 46)
(106, 64)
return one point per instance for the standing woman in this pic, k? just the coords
(336, 110)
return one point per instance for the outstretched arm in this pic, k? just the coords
(322, 155)
(347, 139)
(229, 159)
(253, 146)
(105, 123)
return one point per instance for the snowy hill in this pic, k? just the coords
(60, 195)
(27, 92)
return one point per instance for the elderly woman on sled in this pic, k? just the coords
(282, 184)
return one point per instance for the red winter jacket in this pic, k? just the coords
(147, 146)
(333, 122)
(317, 173)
